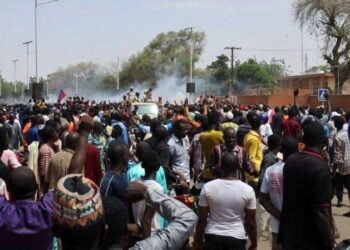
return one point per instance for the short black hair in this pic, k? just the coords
(178, 124)
(116, 153)
(314, 135)
(338, 122)
(150, 161)
(289, 146)
(254, 121)
(229, 163)
(22, 183)
(274, 141)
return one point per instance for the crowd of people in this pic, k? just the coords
(85, 175)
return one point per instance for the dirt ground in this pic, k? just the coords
(342, 223)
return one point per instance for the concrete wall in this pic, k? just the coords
(338, 101)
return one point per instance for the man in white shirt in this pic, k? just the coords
(226, 211)
(271, 191)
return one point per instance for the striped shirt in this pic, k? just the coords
(342, 152)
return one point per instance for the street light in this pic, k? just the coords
(14, 81)
(27, 44)
(36, 35)
(191, 50)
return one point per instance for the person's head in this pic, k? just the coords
(160, 133)
(141, 148)
(116, 131)
(22, 184)
(229, 164)
(150, 162)
(313, 135)
(146, 119)
(214, 119)
(12, 118)
(230, 137)
(274, 142)
(85, 124)
(254, 121)
(264, 118)
(338, 122)
(116, 220)
(48, 134)
(277, 109)
(117, 156)
(289, 146)
(97, 128)
(72, 141)
(180, 128)
(78, 218)
(154, 124)
(119, 116)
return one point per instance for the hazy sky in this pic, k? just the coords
(71, 31)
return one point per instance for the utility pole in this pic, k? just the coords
(232, 65)
(27, 44)
(118, 73)
(191, 51)
(0, 84)
(14, 79)
(302, 50)
(36, 34)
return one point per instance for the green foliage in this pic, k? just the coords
(166, 54)
(276, 67)
(109, 82)
(87, 74)
(251, 72)
(318, 69)
(219, 68)
(329, 20)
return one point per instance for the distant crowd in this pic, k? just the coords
(78, 174)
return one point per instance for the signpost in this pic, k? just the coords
(321, 93)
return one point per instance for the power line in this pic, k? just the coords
(277, 50)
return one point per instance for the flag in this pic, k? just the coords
(61, 95)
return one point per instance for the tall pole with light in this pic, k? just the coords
(14, 77)
(191, 50)
(27, 45)
(36, 35)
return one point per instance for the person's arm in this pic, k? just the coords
(265, 201)
(77, 163)
(182, 219)
(322, 195)
(250, 227)
(328, 107)
(147, 222)
(202, 222)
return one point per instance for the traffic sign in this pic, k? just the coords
(322, 95)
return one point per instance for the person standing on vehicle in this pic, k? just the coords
(225, 220)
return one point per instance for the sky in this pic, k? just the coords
(72, 31)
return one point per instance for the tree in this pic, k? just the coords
(88, 75)
(331, 21)
(166, 54)
(251, 72)
(317, 69)
(276, 68)
(219, 69)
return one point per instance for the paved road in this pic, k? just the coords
(342, 223)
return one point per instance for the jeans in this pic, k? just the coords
(218, 242)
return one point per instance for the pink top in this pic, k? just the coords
(9, 158)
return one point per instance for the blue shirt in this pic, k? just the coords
(124, 131)
(33, 135)
(138, 171)
(113, 185)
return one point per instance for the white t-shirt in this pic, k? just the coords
(227, 200)
(138, 208)
(272, 184)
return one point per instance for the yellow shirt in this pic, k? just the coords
(252, 143)
(208, 140)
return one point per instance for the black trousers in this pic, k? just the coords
(340, 182)
(218, 242)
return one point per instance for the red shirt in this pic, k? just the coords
(93, 169)
(290, 127)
